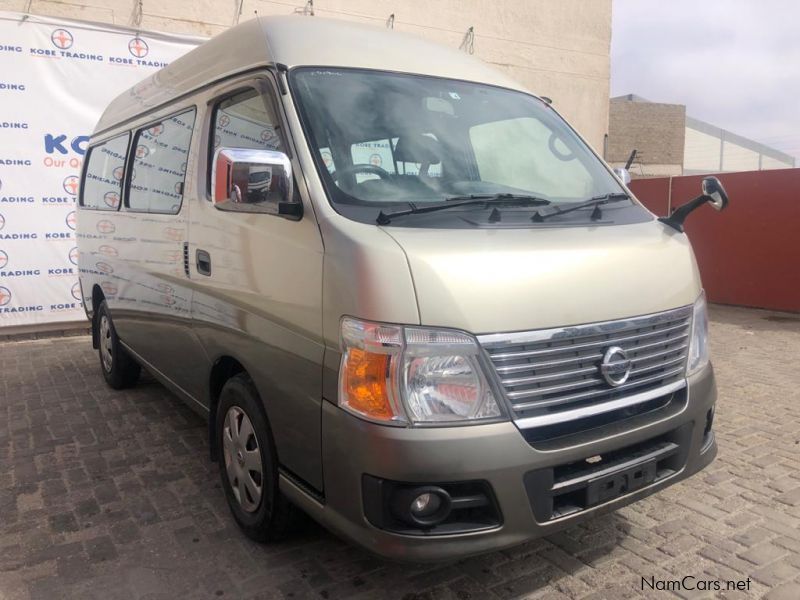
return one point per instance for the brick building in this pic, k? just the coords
(669, 142)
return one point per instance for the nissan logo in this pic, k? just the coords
(616, 366)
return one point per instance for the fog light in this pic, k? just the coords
(425, 506)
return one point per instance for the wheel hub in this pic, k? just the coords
(106, 344)
(242, 459)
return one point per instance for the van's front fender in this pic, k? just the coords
(365, 275)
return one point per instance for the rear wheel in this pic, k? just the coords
(248, 463)
(119, 369)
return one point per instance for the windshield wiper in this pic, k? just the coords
(594, 201)
(470, 200)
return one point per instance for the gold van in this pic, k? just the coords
(408, 298)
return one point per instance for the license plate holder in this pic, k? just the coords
(624, 481)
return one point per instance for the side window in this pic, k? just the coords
(161, 154)
(105, 167)
(246, 120)
(549, 168)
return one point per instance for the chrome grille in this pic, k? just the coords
(548, 374)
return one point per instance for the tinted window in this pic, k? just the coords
(161, 153)
(105, 168)
(246, 120)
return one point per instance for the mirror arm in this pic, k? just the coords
(290, 210)
(676, 219)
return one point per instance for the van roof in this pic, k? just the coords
(297, 41)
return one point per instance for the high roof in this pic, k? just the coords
(297, 41)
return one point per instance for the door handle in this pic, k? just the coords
(203, 262)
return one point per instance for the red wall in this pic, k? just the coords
(749, 254)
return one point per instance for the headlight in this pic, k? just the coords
(413, 375)
(698, 346)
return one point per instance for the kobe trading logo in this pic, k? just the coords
(3, 259)
(138, 47)
(106, 226)
(71, 184)
(111, 199)
(62, 39)
(5, 295)
(2, 222)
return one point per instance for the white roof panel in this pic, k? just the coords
(298, 41)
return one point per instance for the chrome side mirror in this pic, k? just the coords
(713, 190)
(254, 181)
(623, 174)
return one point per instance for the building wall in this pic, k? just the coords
(710, 149)
(701, 152)
(557, 49)
(655, 130)
(738, 158)
(767, 162)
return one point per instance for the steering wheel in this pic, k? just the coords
(365, 168)
(563, 156)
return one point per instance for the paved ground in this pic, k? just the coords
(110, 495)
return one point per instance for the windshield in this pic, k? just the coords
(387, 141)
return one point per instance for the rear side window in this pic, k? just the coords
(161, 154)
(105, 168)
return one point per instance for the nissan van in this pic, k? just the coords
(407, 296)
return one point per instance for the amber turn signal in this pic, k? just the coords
(364, 384)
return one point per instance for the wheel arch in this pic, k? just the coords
(97, 298)
(222, 370)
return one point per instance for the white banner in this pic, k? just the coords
(56, 78)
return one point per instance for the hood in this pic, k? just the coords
(497, 280)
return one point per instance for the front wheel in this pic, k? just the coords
(119, 369)
(248, 463)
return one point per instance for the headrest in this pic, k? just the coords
(417, 148)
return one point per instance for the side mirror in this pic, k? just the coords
(713, 193)
(712, 188)
(623, 174)
(254, 181)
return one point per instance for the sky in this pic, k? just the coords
(733, 63)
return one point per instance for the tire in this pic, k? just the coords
(119, 369)
(247, 457)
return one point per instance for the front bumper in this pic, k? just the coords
(497, 454)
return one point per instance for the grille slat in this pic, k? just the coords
(611, 341)
(541, 391)
(547, 364)
(548, 371)
(551, 376)
(571, 399)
